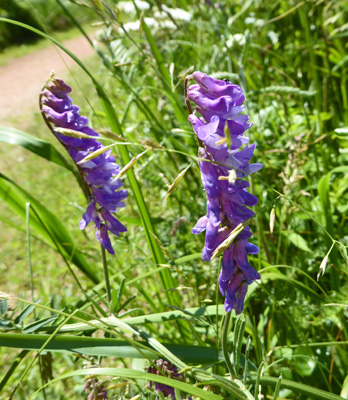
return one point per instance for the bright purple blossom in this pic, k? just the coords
(165, 368)
(98, 174)
(220, 104)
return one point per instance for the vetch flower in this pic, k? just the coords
(223, 165)
(97, 173)
(165, 368)
(95, 389)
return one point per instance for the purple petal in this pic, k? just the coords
(208, 175)
(57, 104)
(241, 258)
(112, 224)
(251, 168)
(227, 269)
(200, 225)
(91, 214)
(103, 237)
(222, 106)
(251, 248)
(58, 87)
(210, 241)
(218, 87)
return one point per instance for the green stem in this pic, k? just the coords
(27, 209)
(225, 332)
(106, 276)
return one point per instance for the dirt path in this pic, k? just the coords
(22, 79)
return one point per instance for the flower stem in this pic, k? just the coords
(106, 277)
(225, 332)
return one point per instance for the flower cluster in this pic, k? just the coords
(97, 173)
(165, 368)
(220, 132)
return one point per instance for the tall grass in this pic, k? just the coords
(291, 340)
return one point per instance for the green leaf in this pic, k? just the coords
(37, 146)
(105, 347)
(12, 368)
(34, 326)
(344, 390)
(53, 232)
(28, 309)
(3, 306)
(73, 344)
(324, 190)
(304, 362)
(298, 241)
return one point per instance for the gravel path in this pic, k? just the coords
(22, 79)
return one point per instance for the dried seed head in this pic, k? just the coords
(272, 220)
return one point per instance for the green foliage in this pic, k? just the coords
(41, 14)
(292, 340)
(20, 11)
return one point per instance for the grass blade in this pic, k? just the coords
(104, 347)
(12, 368)
(297, 387)
(133, 374)
(37, 146)
(16, 198)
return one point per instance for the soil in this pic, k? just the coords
(22, 79)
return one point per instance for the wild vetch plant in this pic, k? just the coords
(252, 320)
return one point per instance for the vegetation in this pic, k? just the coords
(40, 14)
(291, 341)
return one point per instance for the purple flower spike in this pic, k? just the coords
(165, 368)
(98, 173)
(222, 167)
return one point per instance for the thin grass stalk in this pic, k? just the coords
(224, 342)
(163, 72)
(21, 356)
(277, 388)
(27, 212)
(106, 277)
(257, 380)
